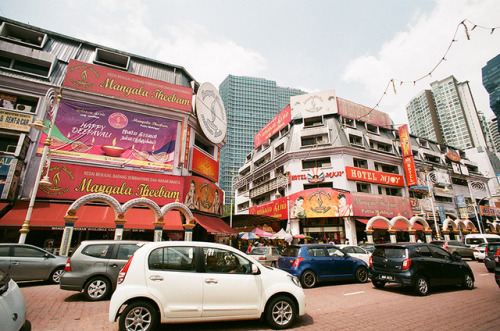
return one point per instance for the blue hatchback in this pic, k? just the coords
(321, 262)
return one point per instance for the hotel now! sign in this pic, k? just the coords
(377, 177)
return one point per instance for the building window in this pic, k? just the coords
(316, 163)
(423, 143)
(245, 171)
(387, 168)
(349, 122)
(313, 121)
(318, 185)
(443, 199)
(243, 206)
(22, 35)
(432, 158)
(387, 190)
(8, 143)
(372, 128)
(263, 160)
(18, 102)
(363, 188)
(360, 163)
(279, 171)
(205, 147)
(314, 140)
(355, 140)
(284, 131)
(111, 59)
(279, 149)
(261, 179)
(380, 146)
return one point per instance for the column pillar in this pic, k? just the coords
(413, 237)
(392, 235)
(69, 223)
(188, 230)
(428, 236)
(120, 222)
(350, 230)
(158, 230)
(369, 236)
(446, 234)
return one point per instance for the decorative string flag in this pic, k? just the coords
(443, 58)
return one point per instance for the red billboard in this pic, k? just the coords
(369, 205)
(116, 83)
(377, 177)
(71, 181)
(404, 138)
(201, 194)
(366, 114)
(411, 173)
(205, 165)
(276, 124)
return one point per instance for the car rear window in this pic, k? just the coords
(493, 240)
(438, 243)
(100, 250)
(390, 252)
(493, 247)
(474, 241)
(291, 251)
(260, 250)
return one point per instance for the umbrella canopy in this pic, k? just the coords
(302, 236)
(262, 233)
(248, 235)
(280, 235)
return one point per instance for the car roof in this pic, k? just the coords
(399, 244)
(109, 241)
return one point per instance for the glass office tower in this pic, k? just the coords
(250, 104)
(491, 82)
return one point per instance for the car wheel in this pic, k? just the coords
(273, 264)
(97, 289)
(378, 283)
(468, 281)
(473, 258)
(55, 276)
(308, 279)
(421, 286)
(138, 315)
(281, 312)
(361, 275)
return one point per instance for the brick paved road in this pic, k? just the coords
(333, 306)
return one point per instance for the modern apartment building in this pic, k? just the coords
(452, 111)
(491, 82)
(250, 103)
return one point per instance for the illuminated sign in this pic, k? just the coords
(374, 176)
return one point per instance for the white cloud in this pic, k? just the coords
(413, 53)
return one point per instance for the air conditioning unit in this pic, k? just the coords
(22, 107)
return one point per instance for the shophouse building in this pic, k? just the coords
(333, 165)
(126, 126)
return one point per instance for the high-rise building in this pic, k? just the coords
(491, 82)
(250, 104)
(494, 134)
(452, 112)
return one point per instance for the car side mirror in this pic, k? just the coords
(255, 269)
(456, 257)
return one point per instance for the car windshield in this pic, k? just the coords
(390, 252)
(291, 251)
(260, 250)
(438, 243)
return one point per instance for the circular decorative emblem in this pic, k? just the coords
(211, 113)
(118, 120)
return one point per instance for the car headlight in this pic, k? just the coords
(294, 280)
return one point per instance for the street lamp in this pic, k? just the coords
(51, 103)
(480, 215)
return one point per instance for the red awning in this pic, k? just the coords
(214, 225)
(400, 225)
(48, 214)
(3, 205)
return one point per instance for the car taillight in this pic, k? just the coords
(370, 261)
(475, 250)
(486, 249)
(297, 261)
(497, 256)
(406, 264)
(123, 272)
(67, 267)
(445, 246)
(262, 258)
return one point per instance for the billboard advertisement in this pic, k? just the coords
(368, 205)
(205, 165)
(71, 181)
(116, 83)
(366, 114)
(203, 195)
(404, 138)
(15, 121)
(97, 134)
(274, 126)
(313, 104)
(410, 171)
(371, 176)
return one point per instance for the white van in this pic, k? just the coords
(473, 240)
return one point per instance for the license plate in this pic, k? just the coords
(385, 277)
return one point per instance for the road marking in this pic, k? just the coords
(352, 293)
(484, 274)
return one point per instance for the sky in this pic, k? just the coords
(354, 47)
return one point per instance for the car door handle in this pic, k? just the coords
(211, 281)
(114, 265)
(16, 263)
(156, 278)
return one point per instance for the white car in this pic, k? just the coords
(479, 252)
(357, 252)
(12, 305)
(177, 282)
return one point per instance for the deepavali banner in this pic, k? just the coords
(71, 181)
(116, 83)
(311, 203)
(203, 195)
(98, 134)
(271, 128)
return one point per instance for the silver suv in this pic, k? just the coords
(95, 265)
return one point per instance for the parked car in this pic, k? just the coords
(475, 239)
(357, 252)
(497, 267)
(30, 263)
(455, 246)
(315, 263)
(368, 247)
(418, 265)
(94, 267)
(175, 282)
(489, 255)
(267, 255)
(479, 252)
(12, 305)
